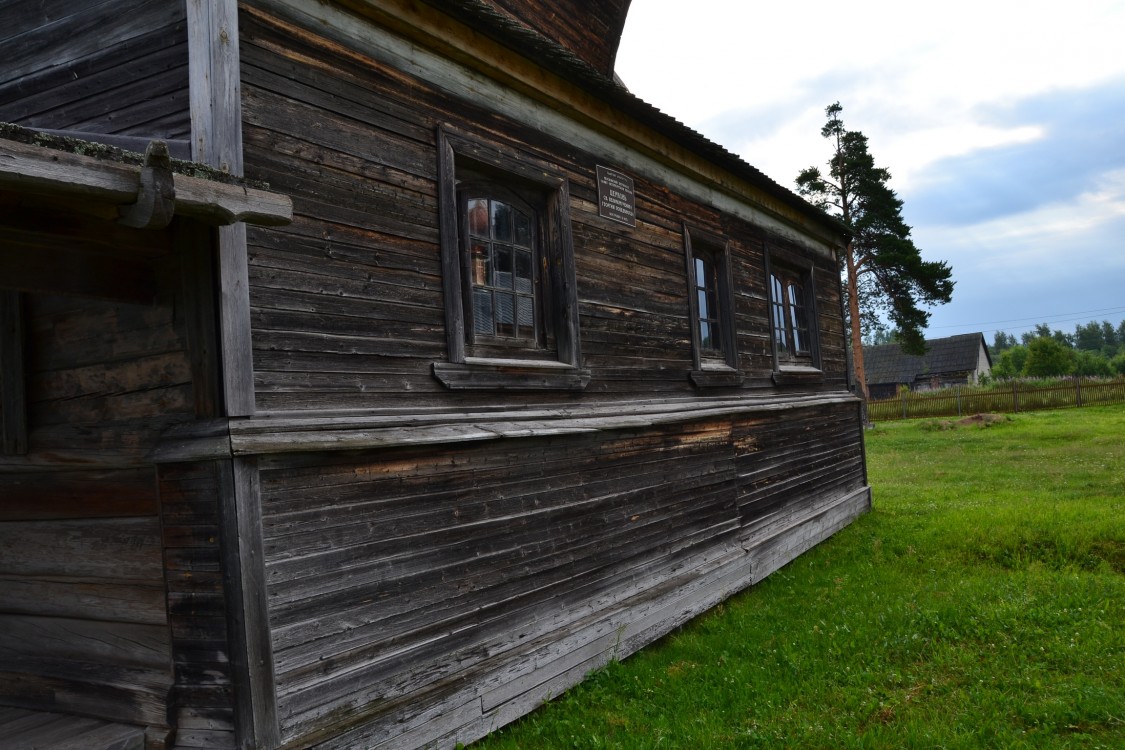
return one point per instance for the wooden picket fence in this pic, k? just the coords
(958, 401)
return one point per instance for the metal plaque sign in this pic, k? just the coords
(616, 200)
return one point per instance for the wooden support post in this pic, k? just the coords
(13, 388)
(216, 138)
(251, 653)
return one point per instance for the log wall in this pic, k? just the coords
(83, 624)
(347, 302)
(111, 594)
(118, 67)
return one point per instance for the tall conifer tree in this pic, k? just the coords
(883, 270)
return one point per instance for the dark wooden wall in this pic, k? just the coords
(83, 626)
(397, 578)
(111, 594)
(347, 301)
(116, 67)
(201, 702)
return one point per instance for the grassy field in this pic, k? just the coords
(980, 605)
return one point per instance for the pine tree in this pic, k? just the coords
(883, 270)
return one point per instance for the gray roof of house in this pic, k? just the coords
(954, 354)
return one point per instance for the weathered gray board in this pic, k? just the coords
(97, 66)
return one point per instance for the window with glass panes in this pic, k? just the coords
(711, 306)
(501, 247)
(707, 299)
(507, 264)
(790, 315)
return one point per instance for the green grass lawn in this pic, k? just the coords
(980, 605)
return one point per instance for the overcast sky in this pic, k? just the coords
(1002, 123)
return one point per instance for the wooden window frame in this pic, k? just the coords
(540, 336)
(717, 366)
(790, 366)
(475, 362)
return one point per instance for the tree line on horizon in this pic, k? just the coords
(1095, 349)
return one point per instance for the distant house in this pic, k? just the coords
(954, 360)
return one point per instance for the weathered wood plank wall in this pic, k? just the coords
(347, 305)
(83, 627)
(410, 572)
(117, 67)
(422, 594)
(85, 534)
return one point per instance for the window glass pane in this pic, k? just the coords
(709, 306)
(777, 299)
(799, 318)
(505, 315)
(501, 221)
(502, 270)
(713, 305)
(525, 317)
(482, 272)
(483, 321)
(706, 335)
(522, 229)
(478, 217)
(704, 306)
(779, 330)
(503, 267)
(524, 270)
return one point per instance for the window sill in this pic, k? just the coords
(480, 373)
(797, 375)
(716, 375)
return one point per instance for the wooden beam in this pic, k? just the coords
(279, 434)
(38, 170)
(13, 389)
(216, 135)
(178, 149)
(156, 194)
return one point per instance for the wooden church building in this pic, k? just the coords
(373, 370)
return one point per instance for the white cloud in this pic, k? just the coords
(1022, 247)
(912, 76)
